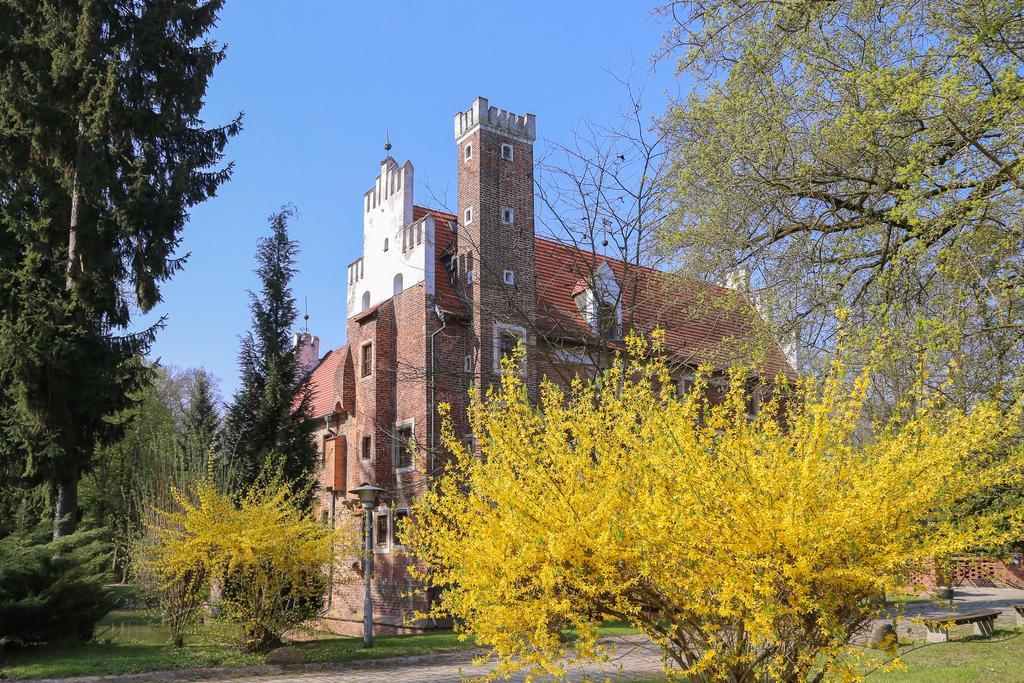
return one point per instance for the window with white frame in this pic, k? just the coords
(399, 521)
(508, 216)
(467, 152)
(381, 531)
(510, 277)
(467, 363)
(506, 339)
(404, 447)
(507, 152)
(467, 215)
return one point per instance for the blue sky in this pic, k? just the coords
(320, 83)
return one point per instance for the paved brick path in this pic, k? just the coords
(633, 658)
(964, 600)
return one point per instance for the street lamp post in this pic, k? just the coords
(367, 496)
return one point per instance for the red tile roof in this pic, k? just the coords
(702, 322)
(321, 382)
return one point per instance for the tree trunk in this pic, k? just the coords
(74, 259)
(65, 506)
(65, 500)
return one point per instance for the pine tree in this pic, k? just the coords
(201, 421)
(102, 154)
(51, 590)
(268, 424)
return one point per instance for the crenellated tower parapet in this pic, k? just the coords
(482, 115)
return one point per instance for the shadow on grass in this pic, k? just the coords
(969, 658)
(136, 643)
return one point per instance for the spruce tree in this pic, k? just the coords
(102, 154)
(200, 429)
(51, 590)
(268, 425)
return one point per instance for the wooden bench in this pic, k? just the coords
(1019, 609)
(984, 622)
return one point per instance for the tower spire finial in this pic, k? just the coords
(387, 141)
(305, 317)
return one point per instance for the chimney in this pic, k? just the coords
(309, 351)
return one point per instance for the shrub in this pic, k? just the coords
(271, 557)
(177, 589)
(751, 549)
(52, 590)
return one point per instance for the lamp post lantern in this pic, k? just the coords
(367, 496)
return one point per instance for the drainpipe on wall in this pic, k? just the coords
(330, 578)
(444, 321)
(334, 500)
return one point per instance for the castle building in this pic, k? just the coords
(434, 303)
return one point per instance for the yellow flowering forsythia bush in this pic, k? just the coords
(271, 558)
(750, 549)
(179, 593)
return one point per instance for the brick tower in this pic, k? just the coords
(495, 266)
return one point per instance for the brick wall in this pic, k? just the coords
(395, 393)
(975, 570)
(487, 185)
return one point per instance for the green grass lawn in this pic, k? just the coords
(968, 660)
(999, 658)
(135, 642)
(908, 599)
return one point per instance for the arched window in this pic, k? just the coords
(398, 284)
(366, 300)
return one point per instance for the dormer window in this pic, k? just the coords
(752, 399)
(506, 152)
(599, 303)
(606, 319)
